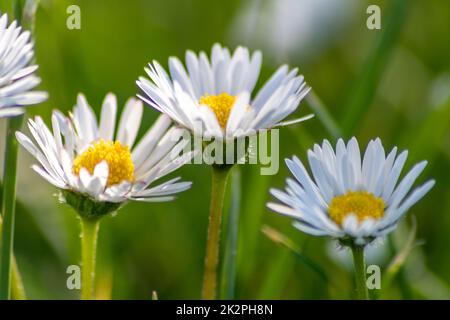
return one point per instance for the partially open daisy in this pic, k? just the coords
(16, 74)
(88, 158)
(349, 198)
(213, 98)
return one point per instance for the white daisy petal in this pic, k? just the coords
(350, 225)
(394, 175)
(85, 178)
(238, 111)
(270, 86)
(130, 122)
(108, 117)
(150, 139)
(355, 159)
(194, 73)
(53, 180)
(285, 210)
(11, 112)
(101, 172)
(85, 121)
(295, 121)
(386, 169)
(164, 191)
(307, 229)
(299, 171)
(179, 75)
(253, 72)
(155, 199)
(406, 184)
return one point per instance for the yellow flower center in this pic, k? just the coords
(362, 204)
(118, 157)
(221, 105)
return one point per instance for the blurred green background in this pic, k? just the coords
(393, 83)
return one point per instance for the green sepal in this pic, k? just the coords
(88, 208)
(350, 242)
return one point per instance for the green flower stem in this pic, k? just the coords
(219, 182)
(90, 212)
(8, 205)
(88, 253)
(17, 288)
(360, 272)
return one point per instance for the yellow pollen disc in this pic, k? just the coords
(220, 104)
(362, 204)
(118, 157)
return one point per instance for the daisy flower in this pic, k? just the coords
(213, 98)
(98, 169)
(350, 197)
(84, 157)
(16, 74)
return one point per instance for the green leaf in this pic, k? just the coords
(324, 116)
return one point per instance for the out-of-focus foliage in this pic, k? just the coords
(160, 247)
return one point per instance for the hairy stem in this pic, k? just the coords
(219, 182)
(360, 272)
(88, 256)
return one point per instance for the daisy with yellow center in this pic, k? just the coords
(212, 97)
(98, 169)
(93, 159)
(349, 196)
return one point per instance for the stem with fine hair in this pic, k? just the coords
(88, 254)
(361, 292)
(9, 205)
(218, 187)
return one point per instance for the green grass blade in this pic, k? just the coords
(254, 209)
(275, 279)
(323, 115)
(366, 84)
(229, 262)
(285, 242)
